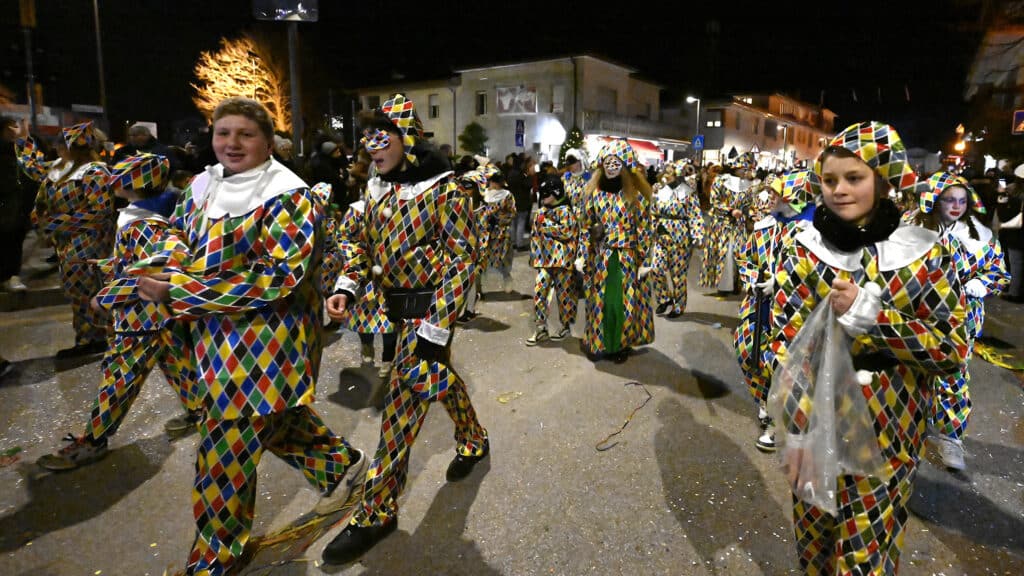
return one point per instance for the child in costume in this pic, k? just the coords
(726, 224)
(417, 241)
(75, 212)
(792, 212)
(475, 183)
(142, 336)
(494, 221)
(552, 249)
(680, 226)
(616, 237)
(947, 206)
(246, 279)
(895, 291)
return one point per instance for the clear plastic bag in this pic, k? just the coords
(821, 415)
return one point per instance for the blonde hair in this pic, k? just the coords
(249, 108)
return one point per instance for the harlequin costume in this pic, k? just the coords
(74, 210)
(494, 219)
(552, 249)
(725, 232)
(982, 271)
(417, 241)
(245, 275)
(907, 324)
(680, 225)
(330, 268)
(367, 315)
(142, 336)
(575, 184)
(616, 237)
(757, 261)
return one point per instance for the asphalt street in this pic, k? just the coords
(684, 491)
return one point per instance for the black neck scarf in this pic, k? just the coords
(849, 237)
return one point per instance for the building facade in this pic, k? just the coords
(781, 130)
(531, 106)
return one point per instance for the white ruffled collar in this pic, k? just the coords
(410, 191)
(962, 233)
(905, 245)
(133, 213)
(239, 194)
(495, 196)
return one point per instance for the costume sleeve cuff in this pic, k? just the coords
(434, 334)
(345, 285)
(863, 314)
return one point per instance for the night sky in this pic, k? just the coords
(805, 49)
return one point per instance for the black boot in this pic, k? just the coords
(461, 466)
(354, 541)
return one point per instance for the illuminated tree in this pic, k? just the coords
(573, 140)
(242, 67)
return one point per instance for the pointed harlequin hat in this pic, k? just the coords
(477, 177)
(798, 188)
(402, 113)
(140, 172)
(620, 149)
(745, 161)
(322, 193)
(489, 170)
(938, 182)
(880, 147)
(80, 134)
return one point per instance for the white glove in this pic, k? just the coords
(643, 272)
(767, 286)
(975, 288)
(579, 265)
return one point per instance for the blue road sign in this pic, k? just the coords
(698, 142)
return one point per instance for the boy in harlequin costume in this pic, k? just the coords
(793, 210)
(475, 183)
(494, 219)
(331, 266)
(142, 336)
(552, 250)
(417, 242)
(947, 205)
(575, 178)
(894, 291)
(616, 237)
(367, 316)
(244, 272)
(75, 212)
(680, 226)
(726, 224)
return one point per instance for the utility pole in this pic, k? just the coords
(99, 62)
(28, 22)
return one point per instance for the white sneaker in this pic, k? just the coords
(385, 370)
(539, 336)
(762, 417)
(951, 450)
(354, 479)
(766, 442)
(366, 353)
(14, 284)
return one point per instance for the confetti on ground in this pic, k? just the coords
(10, 456)
(603, 444)
(508, 397)
(1001, 359)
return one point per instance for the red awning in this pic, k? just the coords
(641, 147)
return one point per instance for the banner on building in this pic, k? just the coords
(517, 100)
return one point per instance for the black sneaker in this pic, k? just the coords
(661, 308)
(6, 368)
(184, 423)
(674, 314)
(466, 316)
(354, 541)
(562, 333)
(461, 466)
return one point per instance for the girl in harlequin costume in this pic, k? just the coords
(680, 226)
(417, 241)
(894, 290)
(142, 336)
(792, 212)
(75, 212)
(494, 222)
(947, 205)
(244, 273)
(367, 316)
(552, 249)
(726, 224)
(575, 178)
(616, 236)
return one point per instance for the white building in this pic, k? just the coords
(531, 106)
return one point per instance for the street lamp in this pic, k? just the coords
(691, 100)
